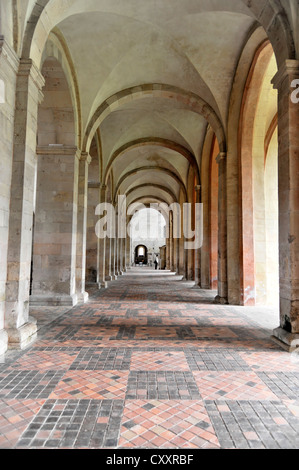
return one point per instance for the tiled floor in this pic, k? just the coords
(151, 363)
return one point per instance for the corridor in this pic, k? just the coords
(151, 363)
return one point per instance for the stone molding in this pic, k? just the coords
(56, 149)
(289, 68)
(221, 157)
(9, 54)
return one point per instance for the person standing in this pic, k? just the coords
(156, 262)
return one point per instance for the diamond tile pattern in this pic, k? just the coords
(150, 363)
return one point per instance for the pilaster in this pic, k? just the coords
(285, 82)
(197, 257)
(84, 162)
(102, 248)
(55, 231)
(9, 64)
(20, 328)
(222, 296)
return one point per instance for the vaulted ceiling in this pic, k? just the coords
(165, 68)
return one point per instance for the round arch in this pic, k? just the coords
(170, 173)
(153, 141)
(152, 185)
(192, 101)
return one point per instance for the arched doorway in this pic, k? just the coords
(147, 228)
(141, 258)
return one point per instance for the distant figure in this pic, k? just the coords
(156, 262)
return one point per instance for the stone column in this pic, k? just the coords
(222, 296)
(168, 253)
(197, 257)
(176, 255)
(123, 254)
(190, 264)
(84, 162)
(171, 243)
(118, 256)
(55, 227)
(128, 252)
(181, 245)
(102, 248)
(108, 260)
(9, 64)
(110, 246)
(112, 263)
(288, 188)
(92, 240)
(21, 329)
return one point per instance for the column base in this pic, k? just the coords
(103, 285)
(82, 297)
(3, 342)
(108, 278)
(53, 300)
(220, 300)
(288, 341)
(20, 338)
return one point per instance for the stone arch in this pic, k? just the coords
(152, 185)
(272, 17)
(192, 101)
(209, 251)
(31, 25)
(152, 141)
(141, 257)
(93, 199)
(255, 135)
(152, 168)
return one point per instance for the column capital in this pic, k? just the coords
(85, 157)
(197, 187)
(289, 69)
(221, 157)
(27, 68)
